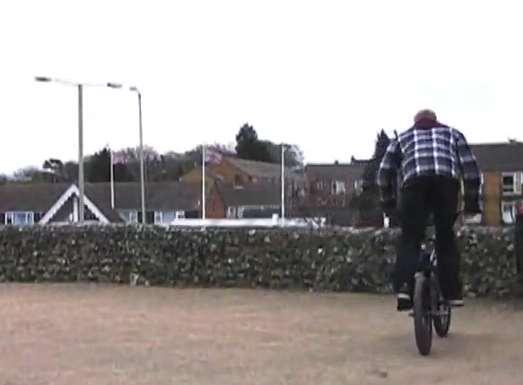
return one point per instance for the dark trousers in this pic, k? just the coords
(419, 198)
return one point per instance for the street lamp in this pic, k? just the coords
(81, 181)
(142, 177)
(43, 79)
(282, 183)
(113, 85)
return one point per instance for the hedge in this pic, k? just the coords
(327, 260)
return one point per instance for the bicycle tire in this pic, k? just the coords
(422, 314)
(442, 322)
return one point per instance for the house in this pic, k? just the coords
(195, 176)
(501, 166)
(330, 188)
(254, 200)
(239, 172)
(332, 185)
(27, 204)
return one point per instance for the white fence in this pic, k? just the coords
(258, 222)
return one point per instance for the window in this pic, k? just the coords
(133, 216)
(26, 218)
(237, 180)
(508, 212)
(89, 216)
(192, 214)
(508, 183)
(240, 212)
(512, 183)
(147, 217)
(129, 216)
(358, 186)
(231, 212)
(38, 216)
(481, 184)
(338, 187)
(19, 218)
(166, 217)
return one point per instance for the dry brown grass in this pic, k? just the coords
(82, 334)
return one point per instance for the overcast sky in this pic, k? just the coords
(326, 75)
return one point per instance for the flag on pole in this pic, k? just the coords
(111, 173)
(209, 156)
(212, 156)
(282, 184)
(204, 160)
(115, 158)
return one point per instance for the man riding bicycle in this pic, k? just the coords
(428, 160)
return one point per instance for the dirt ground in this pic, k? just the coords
(83, 334)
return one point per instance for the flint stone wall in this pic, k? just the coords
(328, 260)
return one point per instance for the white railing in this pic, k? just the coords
(253, 222)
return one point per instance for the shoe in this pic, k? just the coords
(404, 299)
(404, 302)
(456, 302)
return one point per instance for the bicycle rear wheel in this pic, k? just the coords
(422, 314)
(442, 320)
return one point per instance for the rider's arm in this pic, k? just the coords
(469, 168)
(387, 173)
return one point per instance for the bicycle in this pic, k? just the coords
(429, 307)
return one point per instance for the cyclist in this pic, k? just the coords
(428, 161)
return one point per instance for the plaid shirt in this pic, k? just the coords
(439, 150)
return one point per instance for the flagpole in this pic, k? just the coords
(282, 183)
(112, 177)
(203, 181)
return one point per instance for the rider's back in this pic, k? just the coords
(429, 152)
